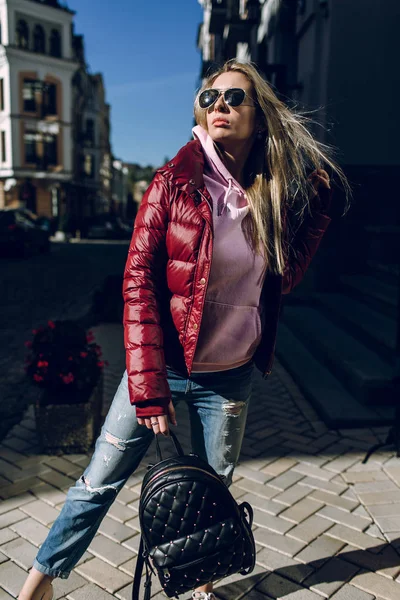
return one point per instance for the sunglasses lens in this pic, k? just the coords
(234, 96)
(207, 98)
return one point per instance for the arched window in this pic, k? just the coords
(39, 40)
(22, 34)
(55, 43)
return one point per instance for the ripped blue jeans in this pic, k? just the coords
(217, 404)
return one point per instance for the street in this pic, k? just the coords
(58, 285)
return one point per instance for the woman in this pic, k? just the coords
(225, 228)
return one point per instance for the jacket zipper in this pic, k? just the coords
(174, 469)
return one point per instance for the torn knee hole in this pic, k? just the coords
(96, 490)
(114, 441)
(233, 408)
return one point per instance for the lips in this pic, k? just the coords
(220, 121)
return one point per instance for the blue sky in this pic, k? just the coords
(148, 56)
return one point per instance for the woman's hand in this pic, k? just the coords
(319, 178)
(160, 424)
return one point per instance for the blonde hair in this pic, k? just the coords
(277, 167)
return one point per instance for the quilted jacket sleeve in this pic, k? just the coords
(306, 241)
(145, 268)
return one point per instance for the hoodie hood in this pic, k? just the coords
(228, 195)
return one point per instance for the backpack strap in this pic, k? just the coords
(138, 575)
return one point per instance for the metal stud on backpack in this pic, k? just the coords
(193, 530)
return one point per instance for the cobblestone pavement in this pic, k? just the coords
(325, 525)
(58, 285)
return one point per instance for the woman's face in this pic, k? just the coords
(227, 124)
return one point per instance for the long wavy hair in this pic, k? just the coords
(276, 171)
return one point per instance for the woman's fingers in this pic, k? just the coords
(171, 413)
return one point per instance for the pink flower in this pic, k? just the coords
(42, 364)
(51, 324)
(83, 354)
(67, 378)
(37, 377)
(100, 364)
(28, 344)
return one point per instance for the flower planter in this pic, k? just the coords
(69, 428)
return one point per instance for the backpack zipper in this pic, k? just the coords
(176, 468)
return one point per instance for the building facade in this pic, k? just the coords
(36, 68)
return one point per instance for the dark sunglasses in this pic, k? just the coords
(232, 97)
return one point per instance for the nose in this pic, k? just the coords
(220, 104)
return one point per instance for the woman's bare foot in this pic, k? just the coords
(37, 586)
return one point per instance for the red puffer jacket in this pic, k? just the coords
(166, 276)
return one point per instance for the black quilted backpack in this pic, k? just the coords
(193, 530)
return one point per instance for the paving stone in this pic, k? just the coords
(3, 558)
(293, 494)
(257, 476)
(118, 532)
(57, 479)
(361, 512)
(12, 577)
(333, 500)
(320, 550)
(330, 577)
(394, 473)
(12, 503)
(279, 466)
(388, 524)
(375, 486)
(133, 523)
(302, 510)
(4, 595)
(125, 496)
(10, 517)
(276, 586)
(377, 585)
(379, 497)
(63, 587)
(312, 471)
(286, 480)
(50, 494)
(263, 519)
(280, 543)
(283, 565)
(89, 591)
(6, 535)
(121, 513)
(327, 486)
(109, 551)
(349, 592)
(385, 510)
(340, 464)
(309, 529)
(236, 492)
(349, 519)
(133, 543)
(15, 489)
(41, 511)
(263, 490)
(386, 562)
(66, 467)
(375, 532)
(355, 538)
(21, 552)
(270, 506)
(237, 586)
(364, 476)
(104, 575)
(31, 530)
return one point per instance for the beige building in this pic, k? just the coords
(36, 67)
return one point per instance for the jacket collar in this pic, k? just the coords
(185, 170)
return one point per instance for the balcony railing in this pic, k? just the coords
(55, 4)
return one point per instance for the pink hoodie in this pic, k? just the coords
(230, 330)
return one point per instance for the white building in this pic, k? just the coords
(36, 68)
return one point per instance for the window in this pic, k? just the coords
(55, 43)
(1, 94)
(29, 94)
(88, 166)
(50, 149)
(22, 34)
(90, 130)
(39, 40)
(3, 147)
(30, 139)
(50, 99)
